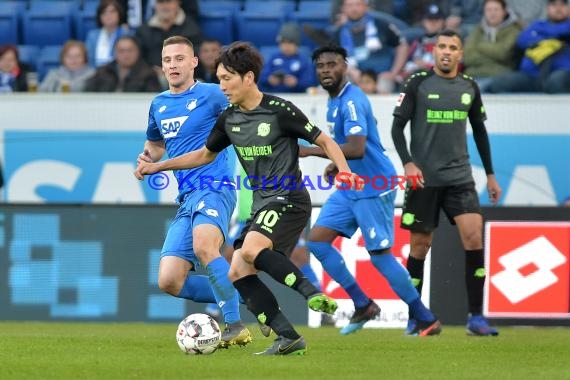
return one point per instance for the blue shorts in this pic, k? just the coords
(198, 207)
(374, 216)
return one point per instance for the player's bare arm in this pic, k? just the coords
(189, 160)
(152, 152)
(353, 149)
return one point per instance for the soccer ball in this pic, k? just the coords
(198, 334)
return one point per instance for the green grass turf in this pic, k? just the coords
(33, 350)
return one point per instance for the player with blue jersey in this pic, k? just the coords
(353, 126)
(180, 120)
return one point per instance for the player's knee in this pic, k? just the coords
(249, 254)
(233, 275)
(169, 284)
(206, 249)
(206, 254)
(239, 268)
(472, 240)
(420, 249)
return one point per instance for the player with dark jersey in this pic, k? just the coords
(438, 104)
(264, 131)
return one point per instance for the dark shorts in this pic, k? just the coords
(279, 222)
(421, 206)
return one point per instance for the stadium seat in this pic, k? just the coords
(85, 19)
(48, 59)
(283, 7)
(259, 28)
(220, 5)
(315, 6)
(218, 25)
(48, 22)
(8, 27)
(10, 16)
(29, 54)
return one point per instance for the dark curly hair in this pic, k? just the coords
(240, 58)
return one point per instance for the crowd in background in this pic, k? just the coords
(510, 46)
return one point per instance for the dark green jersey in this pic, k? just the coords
(438, 109)
(266, 142)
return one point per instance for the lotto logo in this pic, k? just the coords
(515, 283)
(528, 269)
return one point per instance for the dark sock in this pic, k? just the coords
(281, 325)
(416, 269)
(475, 279)
(263, 305)
(284, 271)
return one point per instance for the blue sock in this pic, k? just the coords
(308, 271)
(333, 263)
(225, 293)
(400, 281)
(197, 288)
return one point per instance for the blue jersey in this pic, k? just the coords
(184, 121)
(350, 114)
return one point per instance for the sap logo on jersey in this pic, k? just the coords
(170, 127)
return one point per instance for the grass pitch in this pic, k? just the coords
(30, 350)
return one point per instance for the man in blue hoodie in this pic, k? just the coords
(545, 66)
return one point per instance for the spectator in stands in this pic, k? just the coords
(372, 43)
(368, 82)
(417, 10)
(338, 17)
(545, 66)
(73, 72)
(527, 11)
(127, 73)
(464, 15)
(100, 42)
(168, 20)
(421, 50)
(209, 50)
(12, 72)
(287, 70)
(137, 10)
(490, 47)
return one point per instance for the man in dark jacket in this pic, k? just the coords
(168, 20)
(545, 66)
(127, 73)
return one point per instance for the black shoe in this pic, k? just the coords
(286, 346)
(360, 317)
